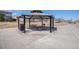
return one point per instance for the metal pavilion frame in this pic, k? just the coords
(41, 17)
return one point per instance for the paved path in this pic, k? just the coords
(65, 37)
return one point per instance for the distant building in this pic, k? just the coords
(76, 21)
(8, 15)
(59, 20)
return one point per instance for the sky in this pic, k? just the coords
(66, 14)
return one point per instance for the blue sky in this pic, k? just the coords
(66, 14)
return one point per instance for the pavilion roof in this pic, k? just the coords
(38, 14)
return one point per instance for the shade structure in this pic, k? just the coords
(36, 11)
(37, 15)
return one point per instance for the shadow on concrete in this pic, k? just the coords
(41, 28)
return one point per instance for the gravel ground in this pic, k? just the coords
(66, 37)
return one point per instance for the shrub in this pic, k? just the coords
(2, 17)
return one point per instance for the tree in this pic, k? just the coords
(2, 17)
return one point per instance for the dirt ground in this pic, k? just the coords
(8, 24)
(15, 24)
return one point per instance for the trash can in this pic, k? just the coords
(21, 27)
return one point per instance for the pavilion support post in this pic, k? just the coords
(29, 22)
(42, 22)
(50, 24)
(18, 22)
(24, 23)
(53, 23)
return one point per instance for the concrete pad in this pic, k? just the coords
(66, 37)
